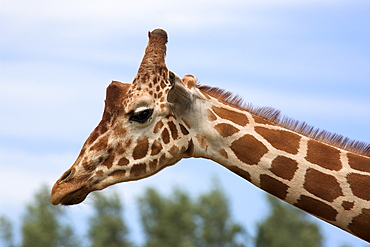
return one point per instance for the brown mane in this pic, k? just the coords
(274, 116)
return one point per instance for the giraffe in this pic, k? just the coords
(160, 118)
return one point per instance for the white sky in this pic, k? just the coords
(310, 59)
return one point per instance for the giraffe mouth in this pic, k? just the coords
(75, 197)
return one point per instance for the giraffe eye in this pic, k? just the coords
(141, 116)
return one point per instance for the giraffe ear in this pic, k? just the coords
(115, 92)
(179, 95)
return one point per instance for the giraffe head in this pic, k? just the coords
(141, 131)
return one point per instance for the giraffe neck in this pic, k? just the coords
(328, 182)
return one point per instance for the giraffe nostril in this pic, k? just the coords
(68, 175)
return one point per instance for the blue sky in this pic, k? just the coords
(308, 58)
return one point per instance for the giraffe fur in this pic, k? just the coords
(160, 118)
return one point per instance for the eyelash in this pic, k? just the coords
(141, 116)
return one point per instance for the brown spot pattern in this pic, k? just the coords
(173, 130)
(118, 173)
(316, 207)
(128, 143)
(101, 144)
(248, 149)
(280, 139)
(120, 131)
(240, 172)
(174, 150)
(225, 129)
(360, 185)
(141, 149)
(190, 149)
(99, 173)
(138, 170)
(223, 153)
(202, 141)
(322, 185)
(153, 164)
(123, 162)
(162, 159)
(261, 120)
(158, 126)
(360, 225)
(120, 150)
(323, 155)
(284, 167)
(184, 131)
(236, 117)
(346, 205)
(273, 186)
(109, 162)
(165, 136)
(358, 162)
(86, 165)
(211, 116)
(156, 148)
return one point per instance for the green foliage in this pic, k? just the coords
(6, 233)
(177, 220)
(287, 226)
(107, 228)
(42, 224)
(167, 221)
(215, 224)
(174, 220)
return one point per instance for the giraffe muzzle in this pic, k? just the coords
(69, 189)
